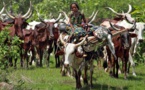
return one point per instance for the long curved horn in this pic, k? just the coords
(62, 41)
(11, 16)
(80, 43)
(67, 18)
(38, 14)
(130, 8)
(113, 11)
(2, 8)
(58, 17)
(115, 28)
(29, 10)
(30, 14)
(93, 17)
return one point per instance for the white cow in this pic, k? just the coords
(140, 26)
(78, 64)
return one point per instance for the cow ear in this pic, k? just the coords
(133, 35)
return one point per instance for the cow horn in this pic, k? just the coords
(38, 14)
(58, 17)
(115, 28)
(28, 12)
(2, 9)
(10, 15)
(62, 41)
(113, 11)
(93, 17)
(130, 8)
(80, 43)
(67, 18)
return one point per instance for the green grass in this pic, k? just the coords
(50, 79)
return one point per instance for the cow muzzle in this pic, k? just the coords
(126, 46)
(66, 65)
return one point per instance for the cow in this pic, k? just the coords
(49, 35)
(140, 26)
(19, 23)
(122, 44)
(70, 59)
(28, 45)
(122, 19)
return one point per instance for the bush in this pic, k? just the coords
(9, 47)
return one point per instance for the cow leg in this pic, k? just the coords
(117, 68)
(50, 49)
(91, 74)
(32, 57)
(126, 57)
(38, 55)
(41, 57)
(57, 60)
(132, 64)
(85, 75)
(125, 71)
(77, 77)
(25, 58)
(109, 68)
(113, 65)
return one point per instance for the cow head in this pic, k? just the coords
(139, 31)
(124, 35)
(20, 21)
(50, 24)
(69, 49)
(126, 16)
(125, 38)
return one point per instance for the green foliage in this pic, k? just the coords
(139, 12)
(9, 47)
(49, 8)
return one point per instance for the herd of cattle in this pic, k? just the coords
(117, 38)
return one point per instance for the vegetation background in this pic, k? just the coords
(50, 78)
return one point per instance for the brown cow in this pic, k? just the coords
(52, 37)
(28, 45)
(122, 43)
(19, 23)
